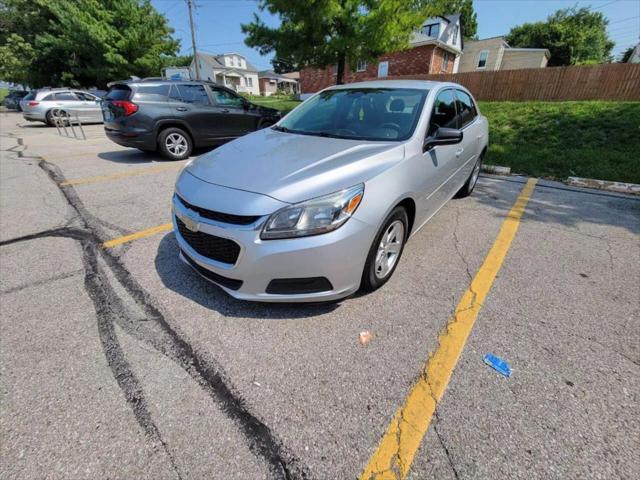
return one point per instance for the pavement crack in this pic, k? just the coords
(158, 332)
(436, 415)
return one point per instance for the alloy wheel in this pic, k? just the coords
(389, 249)
(176, 144)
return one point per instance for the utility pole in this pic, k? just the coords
(193, 39)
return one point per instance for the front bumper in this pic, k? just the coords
(338, 256)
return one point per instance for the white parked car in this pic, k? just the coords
(321, 204)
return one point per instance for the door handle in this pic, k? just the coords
(182, 109)
(459, 152)
(225, 110)
(479, 137)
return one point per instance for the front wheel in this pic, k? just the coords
(175, 143)
(470, 184)
(386, 250)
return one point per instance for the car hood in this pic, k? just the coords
(291, 167)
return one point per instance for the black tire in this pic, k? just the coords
(51, 122)
(470, 184)
(371, 280)
(49, 119)
(181, 138)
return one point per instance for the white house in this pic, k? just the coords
(445, 34)
(229, 69)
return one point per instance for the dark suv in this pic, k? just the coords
(176, 116)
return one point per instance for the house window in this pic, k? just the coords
(445, 61)
(432, 30)
(383, 69)
(249, 81)
(455, 35)
(334, 69)
(482, 59)
(361, 66)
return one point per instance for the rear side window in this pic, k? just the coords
(47, 98)
(65, 96)
(466, 109)
(119, 92)
(152, 93)
(195, 94)
(444, 112)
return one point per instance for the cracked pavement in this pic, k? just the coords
(123, 363)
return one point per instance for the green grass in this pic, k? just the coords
(283, 104)
(590, 139)
(556, 139)
(3, 93)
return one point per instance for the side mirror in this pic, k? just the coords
(442, 136)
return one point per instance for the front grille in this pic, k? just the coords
(296, 286)
(216, 248)
(230, 283)
(219, 216)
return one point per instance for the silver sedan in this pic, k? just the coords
(322, 204)
(43, 105)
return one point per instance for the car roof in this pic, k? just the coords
(159, 80)
(416, 84)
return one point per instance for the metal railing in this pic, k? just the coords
(72, 119)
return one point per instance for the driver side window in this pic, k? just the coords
(226, 99)
(444, 112)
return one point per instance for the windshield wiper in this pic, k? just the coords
(281, 129)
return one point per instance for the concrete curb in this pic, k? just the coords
(496, 169)
(619, 187)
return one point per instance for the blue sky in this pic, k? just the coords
(218, 21)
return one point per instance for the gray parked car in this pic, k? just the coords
(42, 105)
(321, 204)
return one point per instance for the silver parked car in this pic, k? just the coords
(42, 105)
(322, 204)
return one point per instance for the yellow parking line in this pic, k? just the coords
(400, 442)
(135, 236)
(116, 176)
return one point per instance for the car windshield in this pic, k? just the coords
(380, 114)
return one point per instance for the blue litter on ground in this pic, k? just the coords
(497, 364)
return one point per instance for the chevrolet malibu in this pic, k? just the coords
(321, 204)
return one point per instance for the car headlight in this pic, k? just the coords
(315, 216)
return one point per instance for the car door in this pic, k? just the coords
(472, 135)
(90, 107)
(191, 103)
(440, 162)
(236, 119)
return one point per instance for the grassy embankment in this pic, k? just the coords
(556, 139)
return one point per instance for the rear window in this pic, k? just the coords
(152, 93)
(30, 96)
(118, 92)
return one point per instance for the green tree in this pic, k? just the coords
(574, 36)
(84, 42)
(626, 55)
(317, 33)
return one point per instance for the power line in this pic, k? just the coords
(624, 20)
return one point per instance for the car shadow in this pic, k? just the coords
(182, 279)
(555, 203)
(133, 155)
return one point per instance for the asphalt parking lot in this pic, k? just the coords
(118, 361)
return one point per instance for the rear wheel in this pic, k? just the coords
(386, 250)
(175, 143)
(470, 184)
(53, 115)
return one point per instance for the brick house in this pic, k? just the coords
(435, 48)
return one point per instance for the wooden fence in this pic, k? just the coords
(615, 81)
